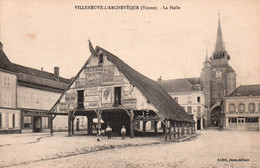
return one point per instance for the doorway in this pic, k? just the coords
(37, 124)
(80, 99)
(198, 124)
(240, 123)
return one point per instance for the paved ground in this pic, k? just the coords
(36, 150)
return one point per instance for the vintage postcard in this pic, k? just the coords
(129, 83)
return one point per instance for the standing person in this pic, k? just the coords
(123, 132)
(98, 135)
(108, 131)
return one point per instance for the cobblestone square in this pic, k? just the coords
(211, 148)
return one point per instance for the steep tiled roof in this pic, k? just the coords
(246, 90)
(177, 85)
(194, 81)
(7, 65)
(154, 93)
(5, 62)
(39, 73)
(151, 90)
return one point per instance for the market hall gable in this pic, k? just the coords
(108, 89)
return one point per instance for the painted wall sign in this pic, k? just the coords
(107, 105)
(80, 83)
(93, 79)
(71, 99)
(129, 101)
(93, 69)
(108, 75)
(92, 91)
(106, 95)
(63, 107)
(119, 79)
(93, 104)
(91, 98)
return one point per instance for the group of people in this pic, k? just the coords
(109, 132)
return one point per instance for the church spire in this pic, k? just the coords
(206, 63)
(219, 43)
(206, 59)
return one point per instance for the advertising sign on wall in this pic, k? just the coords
(93, 104)
(106, 95)
(93, 79)
(92, 91)
(93, 69)
(108, 75)
(129, 103)
(80, 83)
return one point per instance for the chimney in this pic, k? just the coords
(41, 68)
(159, 80)
(1, 46)
(56, 72)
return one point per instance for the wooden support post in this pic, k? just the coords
(144, 128)
(51, 126)
(163, 127)
(179, 130)
(99, 113)
(131, 123)
(72, 125)
(191, 128)
(89, 125)
(174, 129)
(170, 130)
(155, 127)
(182, 129)
(69, 124)
(166, 128)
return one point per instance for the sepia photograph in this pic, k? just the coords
(129, 83)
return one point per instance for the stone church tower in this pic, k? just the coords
(218, 79)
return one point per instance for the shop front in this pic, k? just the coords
(35, 121)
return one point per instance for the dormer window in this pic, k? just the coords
(101, 57)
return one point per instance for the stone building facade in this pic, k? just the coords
(190, 97)
(242, 109)
(217, 79)
(26, 95)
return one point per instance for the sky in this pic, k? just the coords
(167, 43)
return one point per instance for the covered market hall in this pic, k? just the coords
(109, 92)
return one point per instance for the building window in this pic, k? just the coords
(189, 109)
(259, 107)
(199, 109)
(231, 107)
(251, 107)
(27, 122)
(80, 99)
(241, 107)
(198, 99)
(175, 99)
(117, 96)
(45, 123)
(232, 120)
(189, 100)
(252, 120)
(13, 120)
